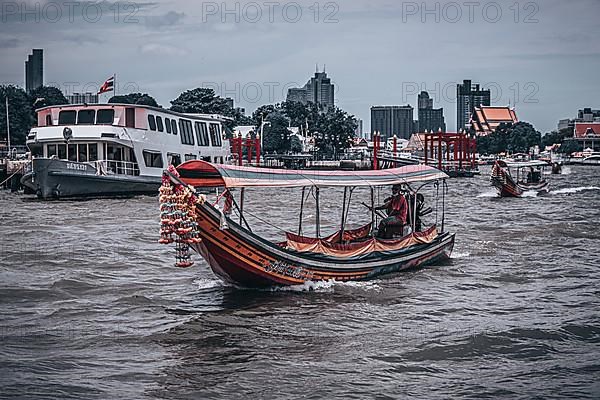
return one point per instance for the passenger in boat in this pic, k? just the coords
(420, 205)
(533, 176)
(396, 208)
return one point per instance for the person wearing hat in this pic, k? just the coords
(396, 208)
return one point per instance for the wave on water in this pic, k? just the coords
(530, 193)
(566, 171)
(329, 286)
(204, 283)
(460, 254)
(489, 193)
(574, 189)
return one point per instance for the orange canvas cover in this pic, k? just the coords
(363, 248)
(350, 234)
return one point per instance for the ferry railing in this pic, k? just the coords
(115, 167)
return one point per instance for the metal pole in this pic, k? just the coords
(317, 214)
(241, 205)
(372, 209)
(301, 211)
(343, 212)
(7, 126)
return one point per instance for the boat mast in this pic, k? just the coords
(241, 205)
(317, 214)
(301, 210)
(343, 212)
(372, 210)
(7, 127)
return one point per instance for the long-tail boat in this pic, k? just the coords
(240, 256)
(528, 176)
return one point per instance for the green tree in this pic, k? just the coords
(517, 138)
(19, 111)
(204, 101)
(134, 98)
(45, 96)
(570, 146)
(295, 144)
(277, 135)
(522, 137)
(334, 126)
(336, 130)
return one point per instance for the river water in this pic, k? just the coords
(92, 306)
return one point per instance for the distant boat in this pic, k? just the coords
(591, 160)
(116, 149)
(528, 176)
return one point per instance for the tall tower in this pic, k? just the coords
(469, 96)
(34, 70)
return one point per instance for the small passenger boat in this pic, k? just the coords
(512, 179)
(242, 257)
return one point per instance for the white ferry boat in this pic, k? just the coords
(116, 149)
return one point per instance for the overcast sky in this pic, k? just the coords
(541, 56)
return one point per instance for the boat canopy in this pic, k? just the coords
(201, 173)
(524, 164)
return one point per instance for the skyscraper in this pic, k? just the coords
(430, 119)
(392, 120)
(469, 96)
(34, 70)
(318, 90)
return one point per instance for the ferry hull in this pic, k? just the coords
(52, 179)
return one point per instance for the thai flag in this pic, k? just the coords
(108, 85)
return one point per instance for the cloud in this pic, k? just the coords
(9, 43)
(171, 18)
(162, 50)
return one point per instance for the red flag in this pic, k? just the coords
(108, 85)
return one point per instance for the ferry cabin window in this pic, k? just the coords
(189, 157)
(152, 159)
(187, 136)
(93, 152)
(105, 116)
(72, 152)
(51, 150)
(168, 125)
(86, 117)
(174, 126)
(48, 120)
(67, 117)
(159, 124)
(151, 122)
(201, 133)
(82, 152)
(215, 135)
(62, 151)
(174, 159)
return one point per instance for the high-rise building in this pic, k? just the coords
(469, 96)
(34, 70)
(358, 132)
(318, 90)
(82, 98)
(392, 120)
(430, 119)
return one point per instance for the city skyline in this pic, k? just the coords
(547, 77)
